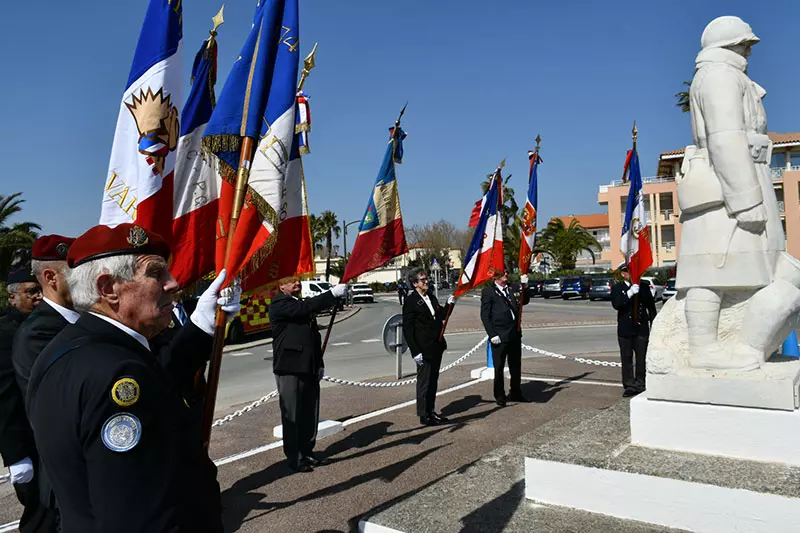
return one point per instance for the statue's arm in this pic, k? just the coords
(721, 101)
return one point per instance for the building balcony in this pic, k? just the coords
(781, 207)
(777, 172)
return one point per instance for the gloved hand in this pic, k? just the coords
(753, 220)
(21, 472)
(418, 359)
(451, 300)
(495, 340)
(321, 373)
(633, 290)
(339, 290)
(205, 313)
(523, 279)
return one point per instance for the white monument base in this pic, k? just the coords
(738, 432)
(485, 373)
(326, 428)
(668, 502)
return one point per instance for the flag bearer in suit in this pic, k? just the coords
(499, 310)
(423, 319)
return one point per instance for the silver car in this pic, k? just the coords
(552, 287)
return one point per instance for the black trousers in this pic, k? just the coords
(427, 385)
(299, 400)
(510, 351)
(36, 516)
(627, 347)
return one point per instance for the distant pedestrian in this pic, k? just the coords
(402, 291)
(633, 329)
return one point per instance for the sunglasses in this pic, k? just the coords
(422, 280)
(33, 292)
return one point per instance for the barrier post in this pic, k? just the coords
(790, 348)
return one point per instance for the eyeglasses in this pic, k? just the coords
(34, 291)
(422, 280)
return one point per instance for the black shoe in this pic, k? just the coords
(439, 418)
(629, 392)
(500, 401)
(428, 421)
(300, 466)
(518, 398)
(316, 461)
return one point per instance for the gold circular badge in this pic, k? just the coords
(125, 392)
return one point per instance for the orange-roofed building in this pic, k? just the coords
(597, 225)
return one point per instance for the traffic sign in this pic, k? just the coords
(435, 266)
(389, 335)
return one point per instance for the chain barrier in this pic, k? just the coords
(245, 409)
(571, 358)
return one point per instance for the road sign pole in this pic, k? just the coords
(398, 339)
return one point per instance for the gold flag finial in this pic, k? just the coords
(502, 164)
(635, 132)
(308, 64)
(538, 142)
(218, 21)
(402, 111)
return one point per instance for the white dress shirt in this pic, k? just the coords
(427, 300)
(68, 314)
(504, 292)
(135, 334)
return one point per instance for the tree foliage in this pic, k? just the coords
(684, 103)
(13, 237)
(327, 227)
(431, 241)
(563, 243)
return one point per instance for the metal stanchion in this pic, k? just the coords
(398, 339)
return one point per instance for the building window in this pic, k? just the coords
(795, 158)
(668, 237)
(778, 160)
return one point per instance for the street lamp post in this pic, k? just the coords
(344, 230)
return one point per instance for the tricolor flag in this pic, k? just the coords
(485, 253)
(635, 243)
(139, 183)
(380, 235)
(528, 222)
(293, 254)
(197, 183)
(258, 101)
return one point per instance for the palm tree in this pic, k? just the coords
(18, 235)
(329, 224)
(564, 243)
(683, 98)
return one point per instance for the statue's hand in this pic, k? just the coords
(753, 220)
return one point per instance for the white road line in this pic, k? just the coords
(240, 354)
(340, 344)
(567, 381)
(248, 453)
(371, 340)
(11, 526)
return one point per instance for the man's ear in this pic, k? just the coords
(49, 277)
(107, 288)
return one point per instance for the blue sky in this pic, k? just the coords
(482, 80)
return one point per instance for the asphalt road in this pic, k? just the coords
(356, 352)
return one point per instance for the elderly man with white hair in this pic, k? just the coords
(111, 426)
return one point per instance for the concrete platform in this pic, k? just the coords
(593, 467)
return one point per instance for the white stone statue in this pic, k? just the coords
(732, 260)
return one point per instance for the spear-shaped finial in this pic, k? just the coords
(502, 164)
(308, 64)
(397, 122)
(538, 141)
(635, 132)
(218, 21)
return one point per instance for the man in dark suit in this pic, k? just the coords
(17, 446)
(423, 319)
(499, 314)
(633, 329)
(298, 367)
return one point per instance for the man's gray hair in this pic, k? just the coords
(39, 267)
(415, 274)
(13, 288)
(82, 279)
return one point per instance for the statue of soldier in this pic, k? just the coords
(732, 239)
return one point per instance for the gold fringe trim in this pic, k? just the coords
(304, 150)
(303, 126)
(222, 143)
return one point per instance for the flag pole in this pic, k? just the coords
(450, 308)
(635, 134)
(522, 289)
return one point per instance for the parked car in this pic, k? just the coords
(362, 292)
(535, 287)
(669, 289)
(311, 288)
(575, 286)
(656, 289)
(551, 287)
(601, 288)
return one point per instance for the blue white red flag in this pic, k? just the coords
(380, 235)
(485, 253)
(197, 183)
(528, 222)
(635, 243)
(258, 101)
(139, 184)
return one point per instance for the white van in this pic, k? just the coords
(313, 288)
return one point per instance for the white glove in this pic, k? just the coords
(495, 340)
(321, 373)
(21, 472)
(753, 220)
(205, 313)
(451, 300)
(418, 359)
(523, 279)
(633, 290)
(339, 290)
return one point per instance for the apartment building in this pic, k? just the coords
(597, 225)
(661, 201)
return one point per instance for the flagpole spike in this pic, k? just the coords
(502, 164)
(218, 20)
(402, 111)
(538, 142)
(635, 132)
(308, 64)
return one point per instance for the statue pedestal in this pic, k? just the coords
(773, 386)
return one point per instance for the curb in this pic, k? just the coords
(262, 342)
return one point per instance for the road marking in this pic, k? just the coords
(340, 344)
(11, 526)
(567, 381)
(240, 354)
(578, 326)
(371, 340)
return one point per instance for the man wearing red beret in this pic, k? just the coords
(110, 424)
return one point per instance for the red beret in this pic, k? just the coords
(51, 248)
(125, 239)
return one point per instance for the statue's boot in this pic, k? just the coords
(706, 351)
(772, 312)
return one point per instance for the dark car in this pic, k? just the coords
(601, 288)
(575, 286)
(551, 287)
(535, 287)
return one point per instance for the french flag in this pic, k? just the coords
(485, 254)
(635, 243)
(140, 176)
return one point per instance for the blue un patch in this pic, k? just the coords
(121, 432)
